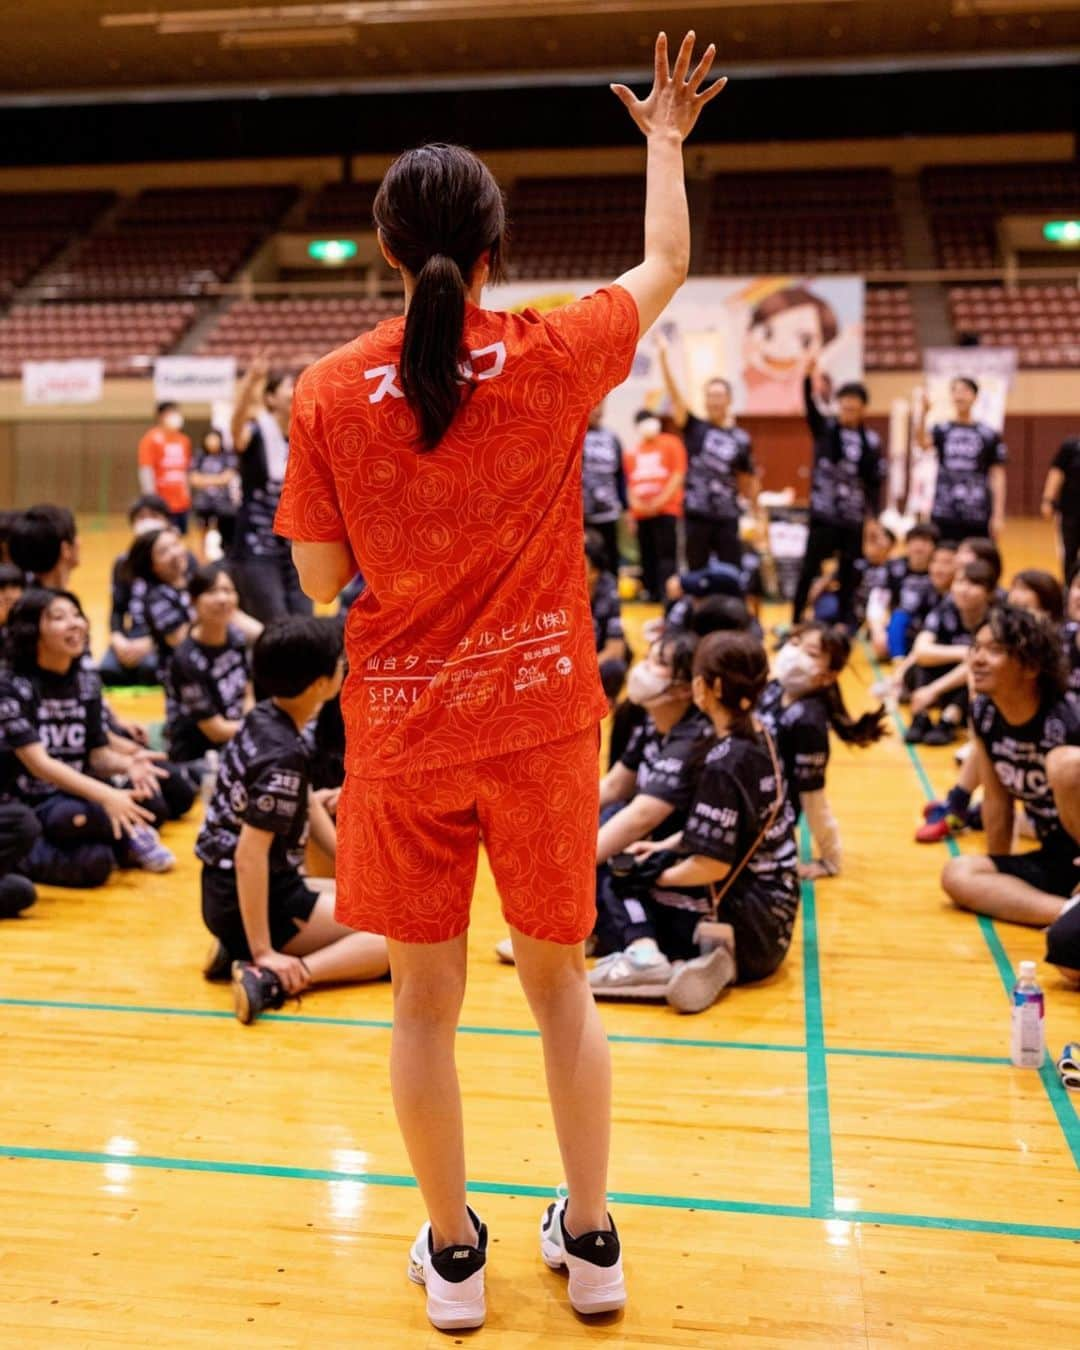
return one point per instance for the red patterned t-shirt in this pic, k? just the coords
(474, 636)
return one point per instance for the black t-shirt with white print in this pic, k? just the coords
(966, 452)
(913, 592)
(715, 456)
(1070, 639)
(64, 713)
(202, 682)
(601, 477)
(606, 610)
(263, 782)
(947, 627)
(801, 733)
(260, 494)
(1018, 754)
(668, 766)
(1067, 460)
(167, 609)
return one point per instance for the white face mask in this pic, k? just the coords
(795, 669)
(649, 427)
(174, 420)
(147, 524)
(644, 685)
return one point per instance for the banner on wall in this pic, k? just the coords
(758, 333)
(992, 368)
(62, 381)
(194, 379)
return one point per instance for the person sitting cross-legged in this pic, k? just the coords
(1027, 749)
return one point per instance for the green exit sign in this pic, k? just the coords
(1062, 231)
(332, 251)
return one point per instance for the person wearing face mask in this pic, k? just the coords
(655, 472)
(798, 706)
(720, 469)
(648, 791)
(720, 897)
(164, 464)
(260, 560)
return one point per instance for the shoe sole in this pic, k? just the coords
(628, 990)
(444, 1318)
(692, 990)
(242, 1004)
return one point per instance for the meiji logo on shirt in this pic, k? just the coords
(485, 363)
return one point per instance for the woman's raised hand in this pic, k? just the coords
(675, 101)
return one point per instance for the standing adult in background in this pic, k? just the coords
(603, 486)
(259, 560)
(449, 472)
(164, 463)
(1061, 497)
(845, 488)
(969, 495)
(655, 473)
(720, 469)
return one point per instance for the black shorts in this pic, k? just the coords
(290, 900)
(1051, 868)
(1063, 940)
(956, 531)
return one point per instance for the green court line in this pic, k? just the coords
(529, 1033)
(817, 1072)
(629, 1198)
(1060, 1103)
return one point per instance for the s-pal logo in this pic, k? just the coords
(485, 363)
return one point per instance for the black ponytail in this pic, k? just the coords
(438, 210)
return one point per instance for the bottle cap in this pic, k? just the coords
(1027, 967)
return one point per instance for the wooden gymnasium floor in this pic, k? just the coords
(842, 1157)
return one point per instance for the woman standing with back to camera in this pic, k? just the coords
(441, 454)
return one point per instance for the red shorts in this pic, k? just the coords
(408, 846)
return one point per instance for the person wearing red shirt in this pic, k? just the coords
(164, 464)
(441, 455)
(655, 473)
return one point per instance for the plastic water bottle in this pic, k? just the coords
(1028, 1027)
(211, 763)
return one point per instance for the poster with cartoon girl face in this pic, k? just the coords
(788, 324)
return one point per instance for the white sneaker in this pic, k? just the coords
(593, 1262)
(697, 984)
(504, 950)
(638, 972)
(453, 1277)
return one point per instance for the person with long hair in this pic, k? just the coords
(265, 575)
(722, 895)
(799, 706)
(441, 453)
(1027, 749)
(54, 727)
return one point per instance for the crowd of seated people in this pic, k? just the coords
(716, 750)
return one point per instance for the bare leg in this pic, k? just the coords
(976, 884)
(578, 1066)
(429, 985)
(335, 954)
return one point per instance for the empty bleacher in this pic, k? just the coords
(345, 206)
(128, 336)
(891, 340)
(1041, 322)
(294, 332)
(34, 226)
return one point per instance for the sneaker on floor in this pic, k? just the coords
(697, 984)
(148, 852)
(16, 894)
(254, 990)
(943, 734)
(504, 950)
(636, 973)
(920, 725)
(593, 1262)
(935, 831)
(934, 811)
(218, 964)
(453, 1278)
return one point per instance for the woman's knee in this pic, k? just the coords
(429, 988)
